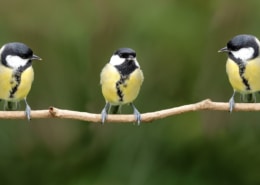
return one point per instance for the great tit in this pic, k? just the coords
(243, 66)
(121, 80)
(16, 74)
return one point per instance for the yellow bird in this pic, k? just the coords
(121, 80)
(243, 66)
(16, 74)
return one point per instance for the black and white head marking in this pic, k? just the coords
(16, 55)
(123, 55)
(124, 60)
(243, 48)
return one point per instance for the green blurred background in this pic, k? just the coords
(176, 42)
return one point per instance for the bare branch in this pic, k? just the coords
(119, 118)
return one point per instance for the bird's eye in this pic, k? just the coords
(24, 56)
(123, 55)
(126, 55)
(235, 48)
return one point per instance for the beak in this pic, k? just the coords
(130, 57)
(225, 49)
(35, 57)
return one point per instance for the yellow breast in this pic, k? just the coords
(8, 82)
(251, 74)
(26, 83)
(130, 89)
(132, 86)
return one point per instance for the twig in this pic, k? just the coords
(146, 117)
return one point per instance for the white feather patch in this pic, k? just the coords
(16, 61)
(244, 53)
(115, 60)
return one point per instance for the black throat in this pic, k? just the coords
(242, 66)
(125, 69)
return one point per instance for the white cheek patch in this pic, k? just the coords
(116, 60)
(16, 61)
(244, 53)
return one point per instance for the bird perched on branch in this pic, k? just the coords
(121, 80)
(243, 67)
(16, 74)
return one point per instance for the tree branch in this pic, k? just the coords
(119, 118)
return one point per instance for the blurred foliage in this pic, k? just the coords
(176, 43)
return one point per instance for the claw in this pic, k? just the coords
(104, 113)
(137, 114)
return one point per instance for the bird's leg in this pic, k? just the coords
(104, 112)
(137, 114)
(6, 106)
(232, 102)
(9, 105)
(249, 98)
(27, 110)
(254, 97)
(16, 105)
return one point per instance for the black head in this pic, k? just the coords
(242, 41)
(125, 53)
(17, 49)
(242, 47)
(124, 59)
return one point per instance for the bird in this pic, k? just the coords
(16, 74)
(121, 80)
(243, 67)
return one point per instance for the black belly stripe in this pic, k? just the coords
(241, 65)
(125, 70)
(17, 78)
(244, 80)
(118, 84)
(119, 92)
